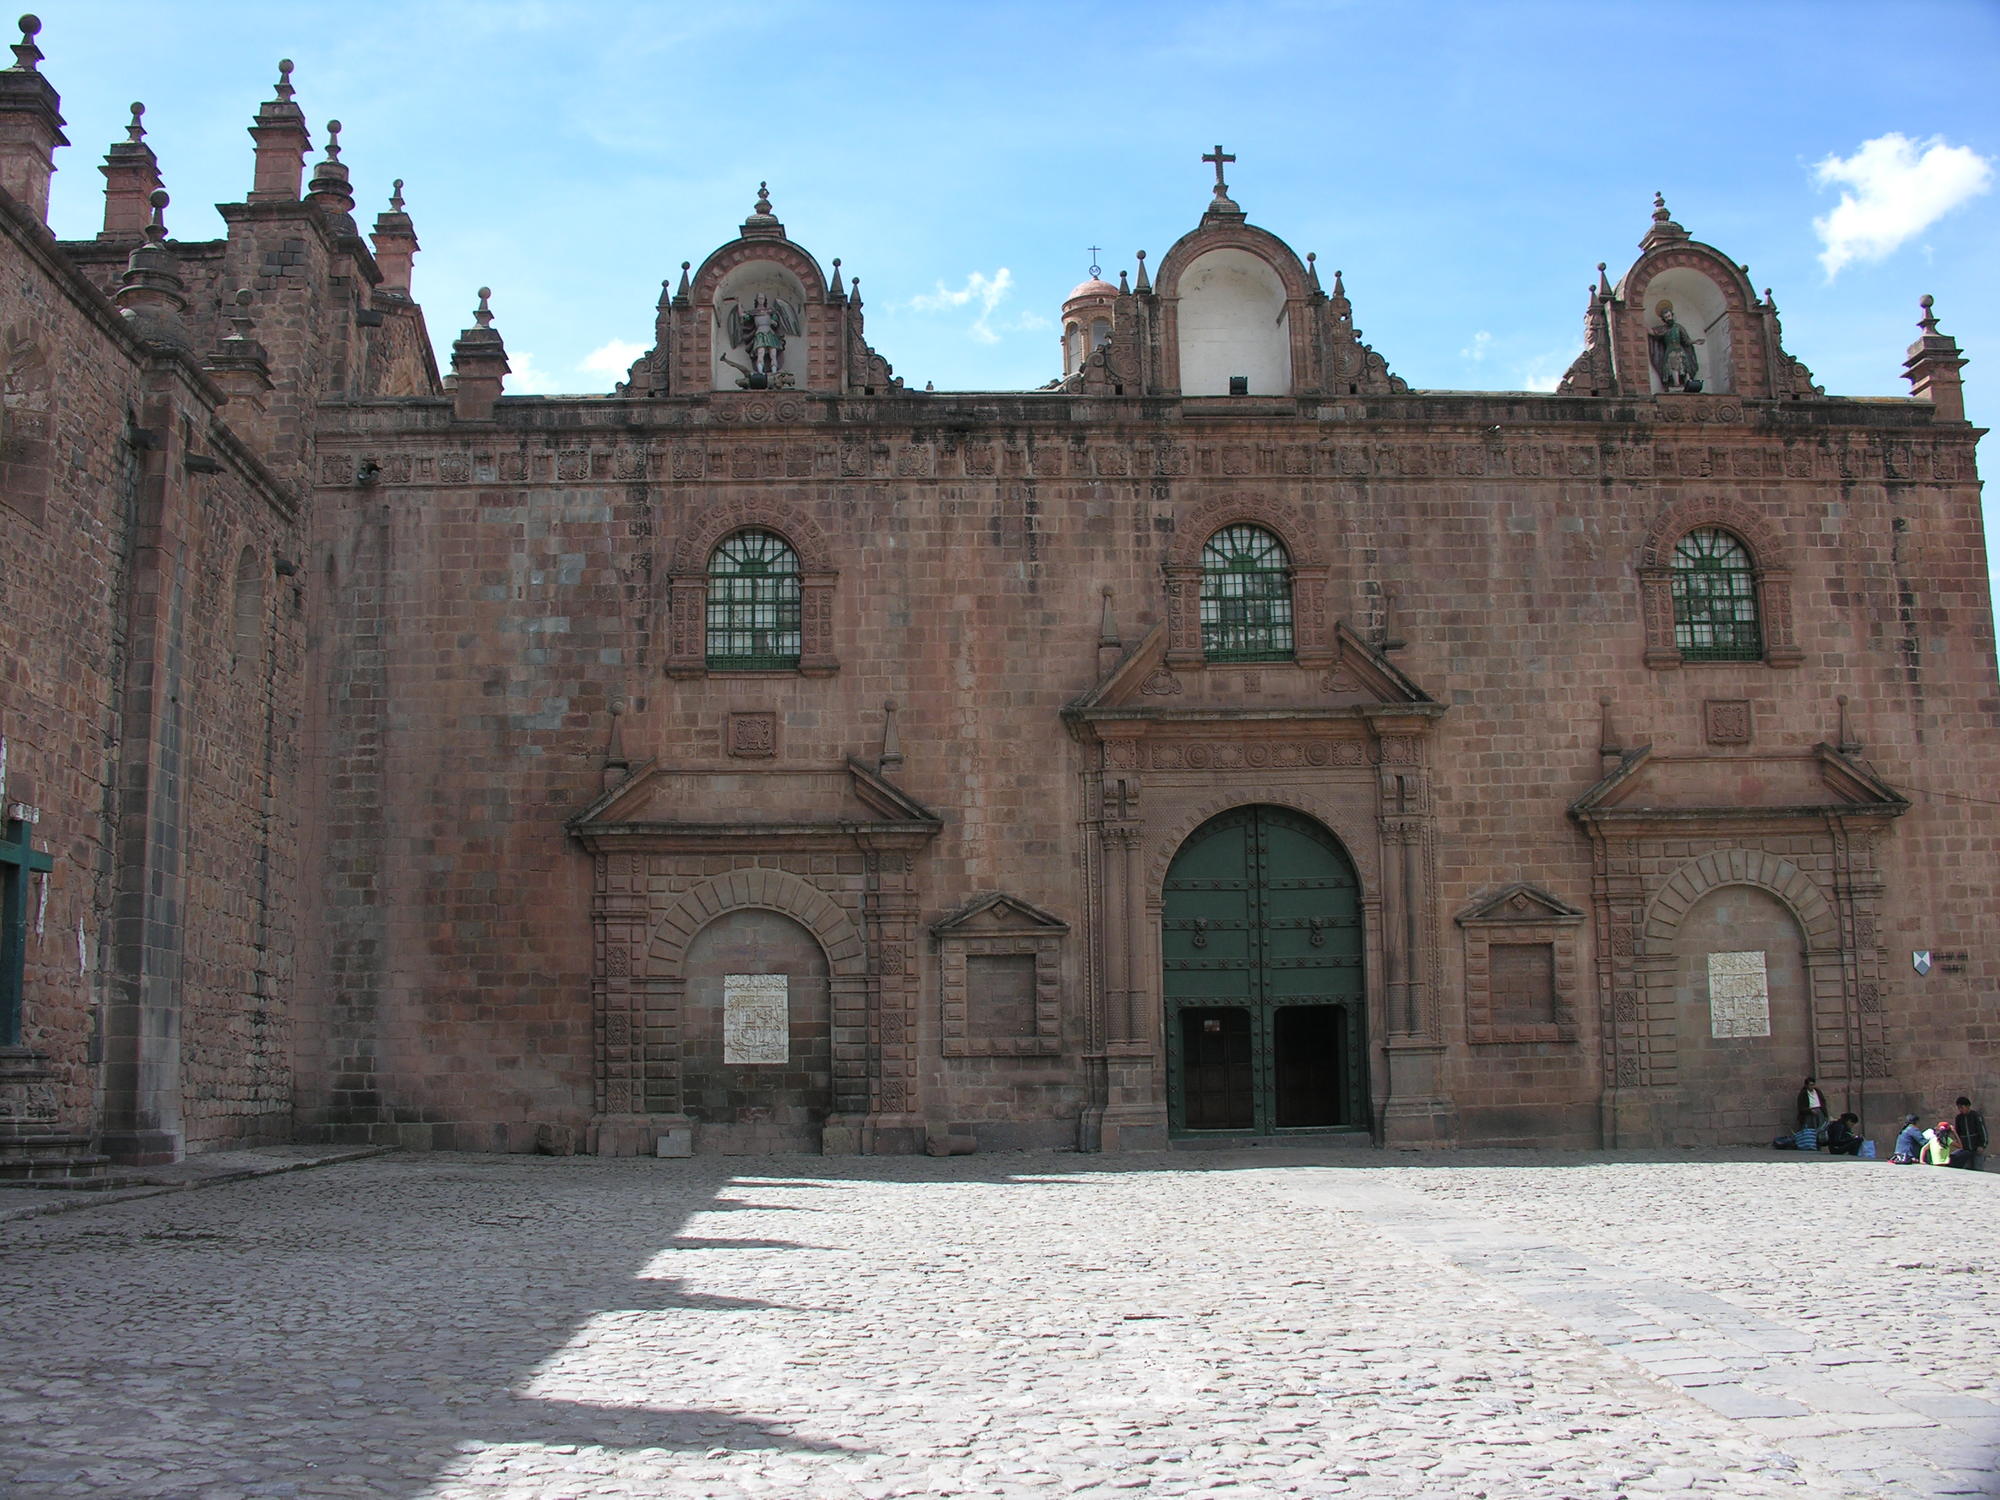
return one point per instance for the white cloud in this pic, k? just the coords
(1895, 188)
(523, 379)
(1476, 350)
(981, 291)
(1545, 372)
(612, 359)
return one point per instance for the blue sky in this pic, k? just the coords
(1466, 165)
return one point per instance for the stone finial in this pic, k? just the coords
(1139, 282)
(836, 290)
(131, 172)
(1110, 645)
(1312, 269)
(617, 765)
(854, 291)
(1932, 366)
(331, 187)
(242, 368)
(1610, 748)
(892, 744)
(1124, 286)
(763, 223)
(682, 294)
(26, 53)
(478, 364)
(30, 126)
(1603, 285)
(151, 294)
(282, 142)
(1664, 229)
(395, 244)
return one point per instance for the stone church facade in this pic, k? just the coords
(1226, 742)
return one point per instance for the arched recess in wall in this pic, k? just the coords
(1232, 321)
(246, 610)
(26, 424)
(1744, 973)
(1700, 307)
(757, 299)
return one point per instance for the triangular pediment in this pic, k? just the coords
(1358, 677)
(998, 914)
(1815, 782)
(719, 802)
(1518, 903)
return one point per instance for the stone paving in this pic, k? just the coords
(1242, 1324)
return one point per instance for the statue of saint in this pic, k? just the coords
(763, 326)
(1672, 348)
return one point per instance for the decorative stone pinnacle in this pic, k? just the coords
(333, 140)
(285, 89)
(1603, 286)
(26, 53)
(396, 197)
(157, 230)
(240, 320)
(1770, 301)
(1660, 214)
(483, 314)
(763, 198)
(1124, 288)
(135, 132)
(1928, 322)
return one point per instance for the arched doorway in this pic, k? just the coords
(1261, 952)
(756, 1044)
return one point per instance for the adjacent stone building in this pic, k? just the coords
(1224, 742)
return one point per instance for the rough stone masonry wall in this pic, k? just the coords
(64, 600)
(500, 589)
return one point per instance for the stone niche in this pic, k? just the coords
(1000, 974)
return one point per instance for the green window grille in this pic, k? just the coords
(1715, 599)
(753, 604)
(1246, 596)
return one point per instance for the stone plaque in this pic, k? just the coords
(1739, 995)
(756, 1018)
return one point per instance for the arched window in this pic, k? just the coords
(753, 604)
(1715, 598)
(1246, 596)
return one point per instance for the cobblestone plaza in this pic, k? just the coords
(1246, 1324)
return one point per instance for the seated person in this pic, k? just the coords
(1939, 1145)
(1842, 1138)
(1909, 1142)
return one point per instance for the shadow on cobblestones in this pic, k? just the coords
(1289, 1322)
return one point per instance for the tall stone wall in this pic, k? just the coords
(504, 584)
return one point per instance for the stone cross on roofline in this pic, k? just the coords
(1222, 203)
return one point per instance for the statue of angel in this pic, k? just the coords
(764, 326)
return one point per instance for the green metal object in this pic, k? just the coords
(1262, 958)
(1246, 596)
(753, 604)
(18, 860)
(1715, 599)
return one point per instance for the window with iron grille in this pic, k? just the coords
(753, 604)
(1246, 596)
(1715, 599)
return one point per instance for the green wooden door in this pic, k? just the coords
(1261, 942)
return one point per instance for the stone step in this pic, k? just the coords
(36, 1147)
